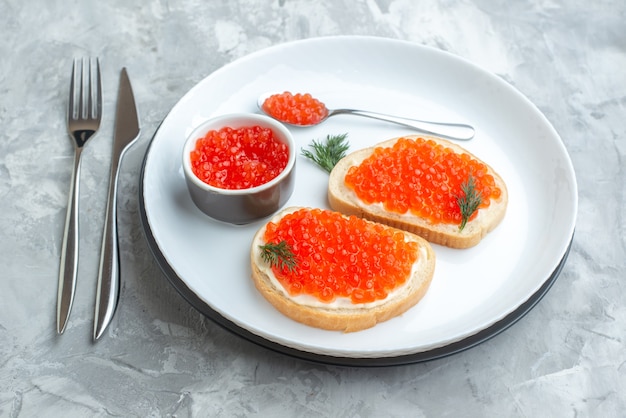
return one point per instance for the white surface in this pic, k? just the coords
(161, 357)
(472, 288)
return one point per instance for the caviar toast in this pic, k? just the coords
(338, 272)
(428, 186)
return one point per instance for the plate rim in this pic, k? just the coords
(452, 347)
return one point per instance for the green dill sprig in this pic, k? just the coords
(328, 153)
(469, 201)
(278, 255)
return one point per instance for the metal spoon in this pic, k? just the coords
(456, 131)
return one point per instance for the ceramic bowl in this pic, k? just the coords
(240, 206)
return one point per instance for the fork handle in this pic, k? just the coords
(107, 292)
(69, 254)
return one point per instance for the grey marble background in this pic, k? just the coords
(566, 358)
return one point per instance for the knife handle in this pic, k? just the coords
(107, 292)
(69, 254)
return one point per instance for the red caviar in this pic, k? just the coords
(341, 256)
(240, 158)
(298, 109)
(421, 177)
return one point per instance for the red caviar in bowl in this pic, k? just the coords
(420, 177)
(239, 158)
(340, 256)
(298, 109)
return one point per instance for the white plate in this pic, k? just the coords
(472, 290)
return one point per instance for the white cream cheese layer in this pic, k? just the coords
(409, 217)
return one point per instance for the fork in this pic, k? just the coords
(84, 113)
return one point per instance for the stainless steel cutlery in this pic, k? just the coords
(126, 132)
(84, 117)
(84, 114)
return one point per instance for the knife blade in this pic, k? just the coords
(126, 132)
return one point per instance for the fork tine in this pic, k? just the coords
(78, 89)
(98, 105)
(71, 105)
(89, 81)
(84, 89)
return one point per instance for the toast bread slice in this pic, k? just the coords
(343, 316)
(343, 199)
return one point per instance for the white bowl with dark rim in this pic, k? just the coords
(240, 206)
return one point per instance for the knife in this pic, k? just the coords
(126, 132)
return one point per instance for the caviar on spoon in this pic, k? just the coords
(302, 109)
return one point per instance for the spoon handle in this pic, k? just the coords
(457, 131)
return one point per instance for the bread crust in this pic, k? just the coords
(337, 318)
(344, 200)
